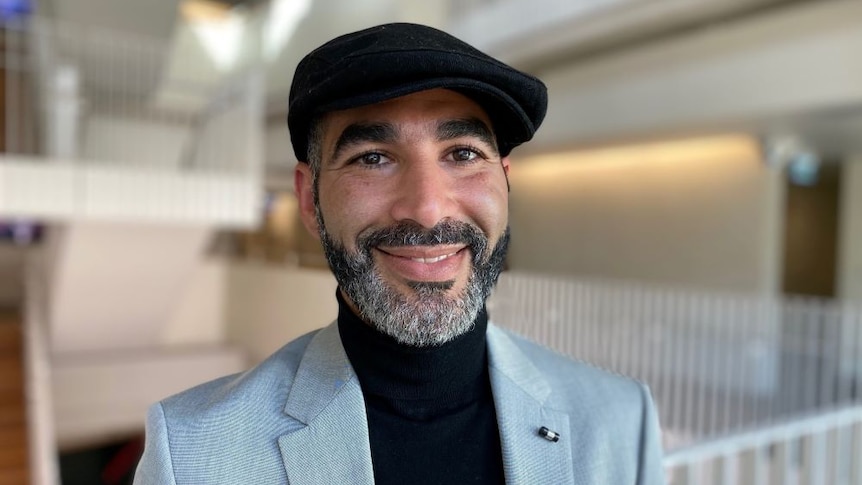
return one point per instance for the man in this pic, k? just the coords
(404, 134)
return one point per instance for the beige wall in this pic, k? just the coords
(269, 305)
(256, 307)
(700, 213)
(850, 236)
(116, 286)
(198, 317)
(103, 397)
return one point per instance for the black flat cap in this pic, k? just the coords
(392, 60)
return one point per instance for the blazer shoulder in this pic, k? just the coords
(574, 379)
(272, 376)
(225, 431)
(611, 414)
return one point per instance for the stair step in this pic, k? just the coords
(9, 316)
(11, 374)
(12, 397)
(14, 476)
(11, 339)
(13, 436)
(13, 423)
(13, 457)
(12, 414)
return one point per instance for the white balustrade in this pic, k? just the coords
(822, 449)
(716, 363)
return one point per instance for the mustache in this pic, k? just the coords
(409, 233)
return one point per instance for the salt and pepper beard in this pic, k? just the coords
(429, 316)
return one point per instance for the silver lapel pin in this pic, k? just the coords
(549, 435)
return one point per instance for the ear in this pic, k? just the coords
(302, 185)
(505, 163)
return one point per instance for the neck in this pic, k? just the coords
(388, 368)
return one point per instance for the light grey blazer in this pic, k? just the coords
(298, 418)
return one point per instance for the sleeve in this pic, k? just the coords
(650, 471)
(156, 467)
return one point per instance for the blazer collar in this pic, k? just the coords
(521, 397)
(333, 446)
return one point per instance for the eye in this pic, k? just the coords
(370, 159)
(464, 154)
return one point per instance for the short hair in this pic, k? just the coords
(315, 147)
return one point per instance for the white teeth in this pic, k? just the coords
(432, 260)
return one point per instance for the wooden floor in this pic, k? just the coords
(13, 425)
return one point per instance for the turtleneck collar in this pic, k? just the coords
(455, 372)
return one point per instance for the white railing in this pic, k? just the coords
(108, 125)
(716, 364)
(90, 95)
(42, 443)
(824, 449)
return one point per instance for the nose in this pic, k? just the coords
(425, 194)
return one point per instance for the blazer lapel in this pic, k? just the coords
(520, 393)
(333, 445)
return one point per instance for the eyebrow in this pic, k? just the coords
(358, 133)
(381, 132)
(469, 127)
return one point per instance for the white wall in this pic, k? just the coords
(278, 152)
(702, 214)
(136, 142)
(850, 237)
(253, 306)
(269, 305)
(230, 132)
(103, 397)
(101, 391)
(227, 134)
(751, 72)
(198, 317)
(115, 286)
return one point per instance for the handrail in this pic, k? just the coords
(787, 431)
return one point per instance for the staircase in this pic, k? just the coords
(13, 423)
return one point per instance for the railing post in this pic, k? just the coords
(728, 471)
(785, 464)
(814, 459)
(754, 469)
(63, 112)
(855, 472)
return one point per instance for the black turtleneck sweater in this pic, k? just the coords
(431, 417)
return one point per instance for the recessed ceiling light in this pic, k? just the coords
(284, 16)
(204, 10)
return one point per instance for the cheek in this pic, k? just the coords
(349, 208)
(486, 199)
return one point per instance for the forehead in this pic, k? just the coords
(422, 108)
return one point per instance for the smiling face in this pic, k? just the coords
(411, 205)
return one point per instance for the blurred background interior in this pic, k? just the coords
(690, 214)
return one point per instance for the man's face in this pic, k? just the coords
(411, 205)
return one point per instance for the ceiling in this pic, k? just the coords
(157, 24)
(608, 33)
(153, 18)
